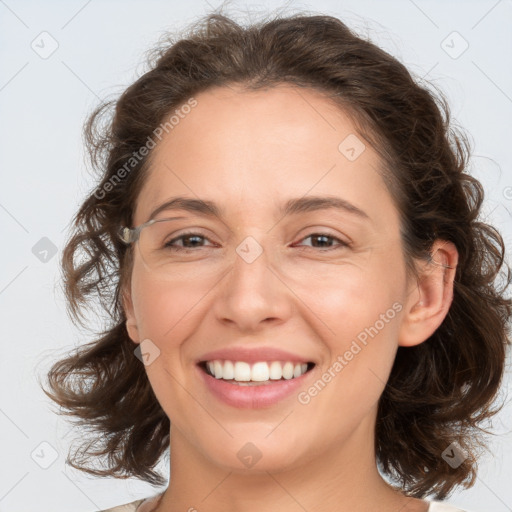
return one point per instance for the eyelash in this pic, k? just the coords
(341, 244)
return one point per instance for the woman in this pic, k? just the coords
(302, 294)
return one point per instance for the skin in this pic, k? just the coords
(249, 152)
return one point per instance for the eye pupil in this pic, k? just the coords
(188, 237)
(188, 241)
(321, 236)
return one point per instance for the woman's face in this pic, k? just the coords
(264, 279)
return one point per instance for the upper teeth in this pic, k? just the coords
(259, 372)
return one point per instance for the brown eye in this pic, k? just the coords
(189, 241)
(324, 240)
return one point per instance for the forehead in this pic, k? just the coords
(253, 151)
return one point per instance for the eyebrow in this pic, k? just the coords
(291, 207)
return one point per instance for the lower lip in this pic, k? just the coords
(254, 396)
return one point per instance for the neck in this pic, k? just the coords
(343, 480)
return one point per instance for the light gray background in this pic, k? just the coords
(43, 104)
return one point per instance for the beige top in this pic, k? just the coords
(149, 504)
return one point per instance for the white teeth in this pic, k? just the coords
(261, 371)
(288, 370)
(242, 371)
(217, 365)
(276, 370)
(228, 370)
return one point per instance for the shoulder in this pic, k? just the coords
(128, 507)
(141, 505)
(435, 506)
(439, 506)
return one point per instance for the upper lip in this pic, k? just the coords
(253, 355)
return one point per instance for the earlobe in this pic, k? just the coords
(430, 298)
(131, 322)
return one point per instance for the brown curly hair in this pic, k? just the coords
(439, 391)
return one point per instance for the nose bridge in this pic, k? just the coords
(252, 292)
(251, 279)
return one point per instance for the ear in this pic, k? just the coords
(429, 299)
(131, 321)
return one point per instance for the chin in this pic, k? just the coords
(244, 456)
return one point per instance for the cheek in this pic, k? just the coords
(167, 314)
(361, 308)
(165, 309)
(355, 298)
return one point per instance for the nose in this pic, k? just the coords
(253, 294)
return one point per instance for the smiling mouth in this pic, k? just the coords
(259, 373)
